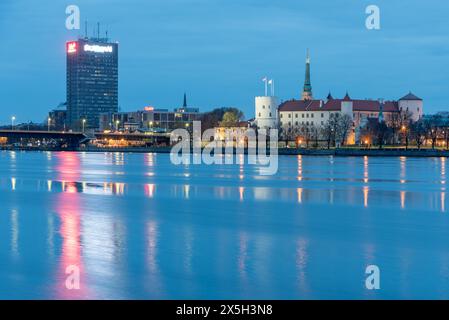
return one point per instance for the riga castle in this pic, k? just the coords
(308, 111)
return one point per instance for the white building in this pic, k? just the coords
(412, 104)
(266, 116)
(295, 114)
(312, 113)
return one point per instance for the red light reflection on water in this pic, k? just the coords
(68, 209)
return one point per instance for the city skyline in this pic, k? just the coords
(170, 52)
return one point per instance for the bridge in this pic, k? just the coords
(57, 138)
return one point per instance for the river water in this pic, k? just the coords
(135, 226)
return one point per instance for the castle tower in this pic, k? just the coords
(307, 91)
(267, 112)
(412, 105)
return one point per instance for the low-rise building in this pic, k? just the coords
(236, 133)
(150, 119)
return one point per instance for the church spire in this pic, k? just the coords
(307, 91)
(184, 105)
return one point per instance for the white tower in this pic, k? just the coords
(267, 112)
(413, 105)
(347, 106)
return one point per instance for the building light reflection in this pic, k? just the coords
(186, 191)
(152, 236)
(403, 194)
(149, 190)
(365, 196)
(403, 169)
(299, 168)
(365, 169)
(15, 232)
(443, 201)
(242, 193)
(443, 170)
(299, 191)
(67, 206)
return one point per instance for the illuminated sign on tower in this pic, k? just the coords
(72, 47)
(97, 48)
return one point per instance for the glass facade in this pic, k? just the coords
(92, 81)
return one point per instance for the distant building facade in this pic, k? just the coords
(150, 119)
(315, 113)
(57, 117)
(92, 81)
(295, 114)
(237, 131)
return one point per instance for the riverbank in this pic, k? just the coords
(339, 152)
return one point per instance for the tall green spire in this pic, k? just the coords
(184, 105)
(307, 91)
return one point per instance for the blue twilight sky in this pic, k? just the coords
(219, 50)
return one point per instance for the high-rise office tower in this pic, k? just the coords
(92, 81)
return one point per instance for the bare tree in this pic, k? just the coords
(418, 133)
(330, 130)
(432, 126)
(285, 133)
(344, 125)
(398, 122)
(378, 132)
(315, 132)
(305, 133)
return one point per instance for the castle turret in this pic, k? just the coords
(267, 112)
(413, 105)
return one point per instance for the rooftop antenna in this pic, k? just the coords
(85, 26)
(98, 30)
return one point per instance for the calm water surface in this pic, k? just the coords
(139, 227)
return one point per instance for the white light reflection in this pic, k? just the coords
(403, 169)
(15, 232)
(365, 169)
(365, 196)
(299, 168)
(242, 193)
(149, 190)
(299, 191)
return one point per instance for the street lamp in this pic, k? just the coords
(116, 124)
(49, 123)
(150, 125)
(84, 124)
(13, 118)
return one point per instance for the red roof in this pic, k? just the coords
(335, 105)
